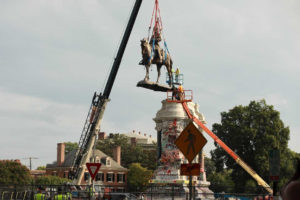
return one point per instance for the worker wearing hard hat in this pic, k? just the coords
(177, 75)
(181, 93)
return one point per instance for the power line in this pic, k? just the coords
(30, 163)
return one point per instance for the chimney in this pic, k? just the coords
(101, 135)
(17, 161)
(117, 154)
(60, 153)
(133, 141)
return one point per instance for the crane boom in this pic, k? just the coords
(237, 159)
(98, 105)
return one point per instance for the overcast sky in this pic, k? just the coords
(55, 54)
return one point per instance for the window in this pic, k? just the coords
(120, 178)
(65, 174)
(54, 173)
(107, 162)
(110, 177)
(100, 177)
(103, 161)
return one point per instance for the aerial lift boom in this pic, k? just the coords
(237, 159)
(97, 108)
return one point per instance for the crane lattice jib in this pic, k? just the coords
(85, 136)
(237, 159)
(97, 108)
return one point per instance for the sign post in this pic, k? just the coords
(274, 167)
(93, 169)
(190, 142)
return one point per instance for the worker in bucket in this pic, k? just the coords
(181, 93)
(177, 75)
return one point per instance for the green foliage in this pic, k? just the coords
(250, 186)
(251, 132)
(129, 153)
(13, 173)
(209, 166)
(41, 168)
(51, 180)
(69, 146)
(221, 181)
(138, 178)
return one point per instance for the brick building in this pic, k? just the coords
(111, 174)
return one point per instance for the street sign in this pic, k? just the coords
(274, 164)
(190, 169)
(190, 142)
(93, 169)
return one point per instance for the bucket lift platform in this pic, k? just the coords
(153, 86)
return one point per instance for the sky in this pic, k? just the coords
(55, 54)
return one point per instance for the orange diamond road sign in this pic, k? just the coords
(190, 142)
(93, 169)
(190, 169)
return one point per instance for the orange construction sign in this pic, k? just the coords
(190, 142)
(190, 169)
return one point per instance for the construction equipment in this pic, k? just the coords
(237, 159)
(97, 108)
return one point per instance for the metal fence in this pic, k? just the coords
(172, 192)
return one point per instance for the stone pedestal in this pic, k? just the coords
(170, 121)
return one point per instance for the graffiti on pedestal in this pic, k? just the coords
(170, 160)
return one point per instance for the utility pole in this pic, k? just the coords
(30, 163)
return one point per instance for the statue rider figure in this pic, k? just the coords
(157, 50)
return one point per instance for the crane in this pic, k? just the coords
(98, 105)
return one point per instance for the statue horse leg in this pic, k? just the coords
(169, 69)
(147, 72)
(158, 72)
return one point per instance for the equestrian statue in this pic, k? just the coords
(153, 54)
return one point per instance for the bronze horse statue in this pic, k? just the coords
(149, 59)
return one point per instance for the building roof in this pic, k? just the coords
(141, 138)
(99, 154)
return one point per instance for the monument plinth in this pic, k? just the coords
(170, 121)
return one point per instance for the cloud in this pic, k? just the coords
(33, 125)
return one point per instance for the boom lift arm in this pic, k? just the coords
(237, 159)
(97, 108)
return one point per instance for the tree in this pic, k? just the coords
(41, 168)
(138, 178)
(14, 173)
(219, 181)
(251, 132)
(129, 153)
(51, 180)
(70, 146)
